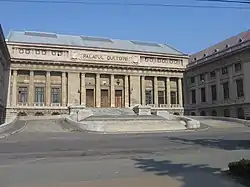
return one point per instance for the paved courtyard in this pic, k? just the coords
(46, 153)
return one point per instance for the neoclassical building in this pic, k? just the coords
(4, 76)
(50, 72)
(216, 79)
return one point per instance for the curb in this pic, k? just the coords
(149, 132)
(14, 132)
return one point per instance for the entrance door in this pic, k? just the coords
(105, 99)
(90, 98)
(118, 99)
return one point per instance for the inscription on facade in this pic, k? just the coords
(77, 55)
(163, 60)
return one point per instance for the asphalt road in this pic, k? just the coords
(34, 143)
(51, 155)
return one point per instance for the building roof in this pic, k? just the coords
(221, 46)
(89, 42)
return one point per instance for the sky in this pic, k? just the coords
(187, 29)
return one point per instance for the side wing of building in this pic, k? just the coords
(4, 76)
(216, 79)
(49, 77)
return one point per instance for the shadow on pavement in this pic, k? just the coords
(215, 143)
(189, 175)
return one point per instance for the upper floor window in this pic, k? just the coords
(214, 92)
(212, 74)
(192, 80)
(202, 77)
(193, 94)
(224, 71)
(203, 95)
(237, 67)
(240, 89)
(226, 90)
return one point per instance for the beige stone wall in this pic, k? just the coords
(233, 102)
(76, 72)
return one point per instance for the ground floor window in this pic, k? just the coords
(241, 114)
(173, 97)
(214, 113)
(23, 95)
(161, 97)
(202, 113)
(39, 94)
(55, 95)
(149, 97)
(226, 113)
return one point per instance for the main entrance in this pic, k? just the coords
(105, 99)
(118, 99)
(90, 102)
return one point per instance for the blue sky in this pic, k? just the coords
(187, 29)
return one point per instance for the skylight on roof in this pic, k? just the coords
(41, 34)
(96, 39)
(146, 44)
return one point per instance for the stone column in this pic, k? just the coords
(135, 90)
(143, 99)
(112, 90)
(31, 89)
(48, 89)
(168, 91)
(126, 91)
(64, 89)
(83, 90)
(180, 92)
(8, 91)
(156, 91)
(208, 96)
(14, 88)
(231, 84)
(218, 86)
(97, 91)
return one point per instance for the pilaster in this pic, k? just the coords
(31, 89)
(143, 100)
(14, 88)
(48, 89)
(112, 90)
(126, 91)
(98, 91)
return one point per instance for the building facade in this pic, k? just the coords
(50, 72)
(4, 76)
(216, 79)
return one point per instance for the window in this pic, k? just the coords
(203, 95)
(192, 80)
(224, 71)
(212, 74)
(148, 94)
(241, 114)
(161, 97)
(193, 93)
(203, 113)
(202, 77)
(226, 90)
(237, 67)
(240, 90)
(226, 113)
(214, 113)
(23, 94)
(39, 94)
(173, 97)
(55, 95)
(214, 92)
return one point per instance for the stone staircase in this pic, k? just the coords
(112, 111)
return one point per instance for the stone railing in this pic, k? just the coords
(228, 119)
(165, 106)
